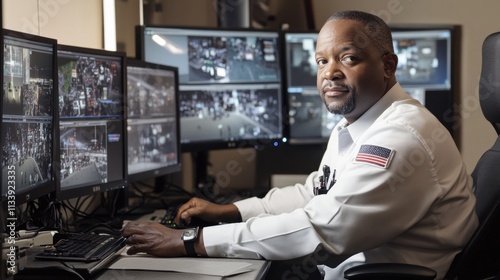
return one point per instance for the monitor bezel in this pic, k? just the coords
(165, 170)
(26, 195)
(209, 145)
(119, 184)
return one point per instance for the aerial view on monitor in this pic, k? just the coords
(27, 114)
(230, 114)
(150, 95)
(230, 59)
(83, 154)
(150, 145)
(89, 87)
(215, 56)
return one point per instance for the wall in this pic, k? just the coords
(475, 134)
(71, 22)
(127, 17)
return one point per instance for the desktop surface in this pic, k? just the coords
(54, 270)
(257, 270)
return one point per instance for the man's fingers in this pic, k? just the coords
(182, 209)
(133, 228)
(186, 214)
(137, 248)
(132, 250)
(137, 244)
(134, 239)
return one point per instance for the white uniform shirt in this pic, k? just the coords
(402, 194)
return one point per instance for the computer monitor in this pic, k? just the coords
(29, 114)
(424, 71)
(153, 134)
(427, 66)
(229, 82)
(92, 120)
(309, 120)
(424, 56)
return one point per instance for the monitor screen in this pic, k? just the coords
(229, 83)
(153, 136)
(28, 116)
(92, 142)
(309, 120)
(424, 57)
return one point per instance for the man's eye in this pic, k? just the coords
(320, 62)
(349, 58)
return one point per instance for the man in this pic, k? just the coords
(391, 186)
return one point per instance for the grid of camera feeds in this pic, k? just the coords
(91, 117)
(230, 87)
(309, 119)
(28, 113)
(152, 124)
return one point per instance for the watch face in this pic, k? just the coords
(189, 234)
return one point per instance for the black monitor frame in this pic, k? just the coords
(115, 123)
(27, 194)
(271, 86)
(176, 165)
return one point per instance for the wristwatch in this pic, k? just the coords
(189, 237)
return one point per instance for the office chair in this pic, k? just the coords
(480, 258)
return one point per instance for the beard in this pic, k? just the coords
(344, 108)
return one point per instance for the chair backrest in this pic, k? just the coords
(481, 257)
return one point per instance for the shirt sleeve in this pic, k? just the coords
(277, 200)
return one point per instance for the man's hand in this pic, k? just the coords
(154, 239)
(208, 211)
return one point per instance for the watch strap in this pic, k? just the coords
(189, 245)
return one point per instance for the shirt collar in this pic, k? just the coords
(368, 118)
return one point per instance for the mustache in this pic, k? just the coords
(334, 84)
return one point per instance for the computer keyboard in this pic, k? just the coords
(86, 247)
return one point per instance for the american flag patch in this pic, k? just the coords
(375, 155)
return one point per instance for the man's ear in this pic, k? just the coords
(390, 64)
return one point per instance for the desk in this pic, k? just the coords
(259, 270)
(43, 269)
